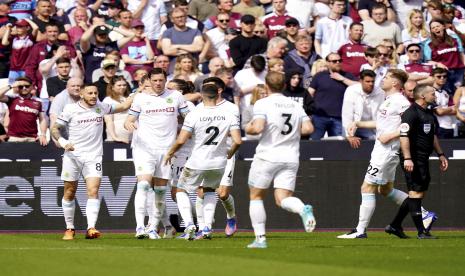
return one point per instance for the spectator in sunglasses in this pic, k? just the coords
(417, 71)
(378, 60)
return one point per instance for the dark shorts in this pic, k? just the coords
(419, 179)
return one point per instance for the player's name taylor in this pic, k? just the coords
(213, 118)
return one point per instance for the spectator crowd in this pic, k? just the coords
(333, 53)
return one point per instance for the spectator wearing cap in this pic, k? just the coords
(246, 44)
(378, 27)
(227, 7)
(361, 103)
(275, 21)
(138, 52)
(24, 110)
(220, 36)
(5, 19)
(154, 14)
(353, 52)
(249, 7)
(290, 33)
(417, 71)
(21, 43)
(109, 71)
(181, 39)
(114, 55)
(43, 17)
(42, 50)
(93, 54)
(301, 59)
(113, 9)
(328, 88)
(332, 31)
(202, 9)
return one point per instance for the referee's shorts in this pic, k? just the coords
(418, 180)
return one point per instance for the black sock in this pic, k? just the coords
(401, 214)
(415, 212)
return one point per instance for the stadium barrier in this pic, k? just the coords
(329, 178)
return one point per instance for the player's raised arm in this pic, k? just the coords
(124, 105)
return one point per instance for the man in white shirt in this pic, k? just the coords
(154, 114)
(209, 126)
(83, 154)
(333, 31)
(361, 103)
(281, 121)
(219, 38)
(381, 172)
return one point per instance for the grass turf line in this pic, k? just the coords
(288, 254)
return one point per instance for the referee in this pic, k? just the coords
(417, 141)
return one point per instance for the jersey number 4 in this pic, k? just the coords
(287, 124)
(211, 141)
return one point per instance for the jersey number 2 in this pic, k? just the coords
(211, 141)
(287, 123)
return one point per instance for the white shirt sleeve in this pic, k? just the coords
(189, 122)
(65, 116)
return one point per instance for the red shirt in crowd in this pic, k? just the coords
(422, 69)
(447, 55)
(20, 49)
(24, 112)
(353, 57)
(274, 23)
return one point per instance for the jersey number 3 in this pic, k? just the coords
(287, 123)
(211, 140)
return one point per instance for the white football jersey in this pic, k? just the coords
(231, 108)
(280, 140)
(388, 118)
(157, 119)
(186, 149)
(85, 127)
(210, 126)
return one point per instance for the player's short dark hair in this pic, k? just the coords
(210, 90)
(367, 73)
(184, 86)
(51, 24)
(216, 81)
(439, 70)
(63, 60)
(399, 75)
(275, 81)
(258, 63)
(420, 90)
(177, 3)
(157, 71)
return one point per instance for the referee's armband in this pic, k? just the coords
(404, 129)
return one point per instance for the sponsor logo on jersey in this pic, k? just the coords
(447, 50)
(26, 109)
(158, 110)
(91, 120)
(355, 54)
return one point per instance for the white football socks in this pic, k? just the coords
(258, 217)
(150, 208)
(184, 206)
(367, 208)
(293, 205)
(209, 205)
(397, 196)
(229, 207)
(160, 203)
(199, 212)
(140, 201)
(92, 209)
(68, 211)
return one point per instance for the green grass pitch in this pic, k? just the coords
(318, 253)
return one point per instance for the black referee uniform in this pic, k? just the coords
(422, 126)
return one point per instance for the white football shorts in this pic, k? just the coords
(147, 162)
(75, 166)
(227, 179)
(191, 179)
(383, 164)
(176, 169)
(283, 175)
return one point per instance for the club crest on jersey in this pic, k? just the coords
(426, 128)
(98, 110)
(169, 100)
